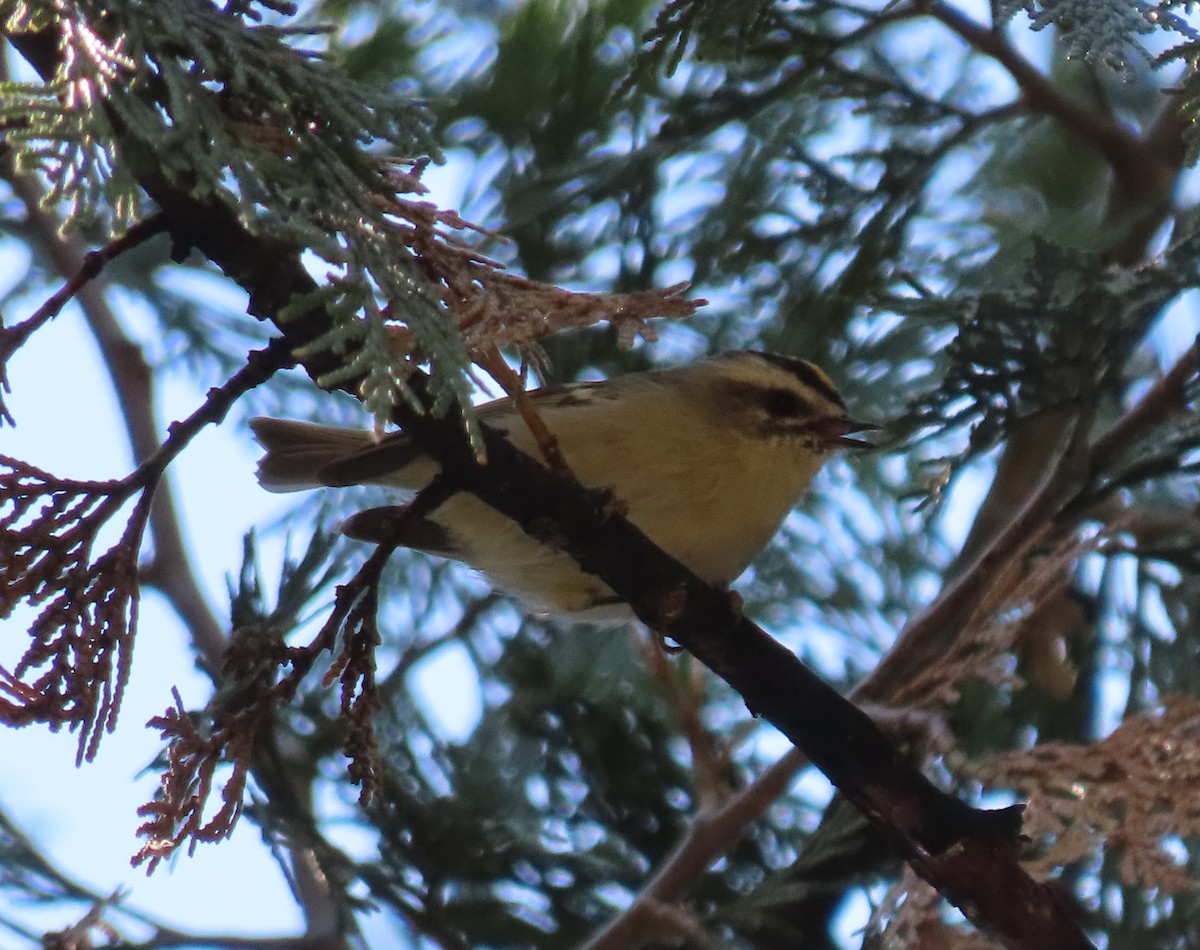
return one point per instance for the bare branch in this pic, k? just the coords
(1117, 143)
(14, 337)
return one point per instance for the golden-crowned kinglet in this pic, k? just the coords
(707, 458)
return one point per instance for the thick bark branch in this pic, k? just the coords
(967, 854)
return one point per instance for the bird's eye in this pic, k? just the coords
(784, 402)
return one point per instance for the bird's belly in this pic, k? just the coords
(547, 579)
(715, 542)
(713, 525)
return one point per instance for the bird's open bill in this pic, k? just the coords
(836, 430)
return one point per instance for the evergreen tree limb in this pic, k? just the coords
(1118, 145)
(711, 833)
(942, 837)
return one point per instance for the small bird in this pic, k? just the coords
(708, 459)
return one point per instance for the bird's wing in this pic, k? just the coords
(397, 450)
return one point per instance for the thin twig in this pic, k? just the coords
(709, 834)
(1115, 142)
(513, 385)
(89, 268)
(132, 382)
(260, 366)
(1164, 399)
(683, 685)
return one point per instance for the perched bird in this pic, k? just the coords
(708, 460)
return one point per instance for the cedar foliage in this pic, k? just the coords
(990, 248)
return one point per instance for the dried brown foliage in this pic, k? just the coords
(91, 930)
(197, 747)
(73, 672)
(75, 668)
(1126, 794)
(1013, 612)
(255, 682)
(493, 307)
(254, 685)
(1129, 795)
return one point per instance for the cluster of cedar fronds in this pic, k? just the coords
(1127, 795)
(254, 686)
(493, 307)
(73, 672)
(76, 665)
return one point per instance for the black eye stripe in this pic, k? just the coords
(783, 403)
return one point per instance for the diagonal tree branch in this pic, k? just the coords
(1117, 143)
(967, 854)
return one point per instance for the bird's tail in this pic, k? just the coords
(298, 451)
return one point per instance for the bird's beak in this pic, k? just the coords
(835, 431)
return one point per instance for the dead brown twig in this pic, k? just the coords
(48, 528)
(14, 337)
(254, 688)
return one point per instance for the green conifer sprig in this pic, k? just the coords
(276, 132)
